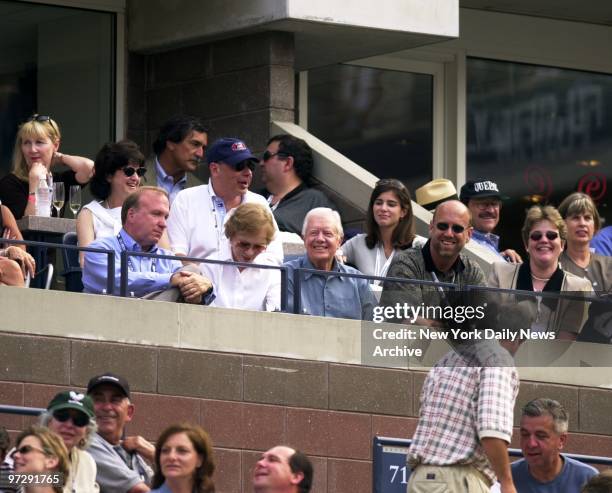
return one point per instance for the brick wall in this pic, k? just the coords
(237, 85)
(250, 403)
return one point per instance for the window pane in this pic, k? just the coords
(380, 119)
(56, 61)
(540, 133)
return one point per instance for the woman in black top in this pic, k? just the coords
(36, 151)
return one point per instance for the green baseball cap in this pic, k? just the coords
(72, 399)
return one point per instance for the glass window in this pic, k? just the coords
(380, 119)
(540, 133)
(56, 61)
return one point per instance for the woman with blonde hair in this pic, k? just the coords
(36, 152)
(183, 461)
(250, 229)
(41, 452)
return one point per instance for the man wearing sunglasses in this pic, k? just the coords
(286, 170)
(179, 150)
(484, 201)
(440, 260)
(121, 461)
(198, 215)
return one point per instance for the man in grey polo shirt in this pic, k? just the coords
(121, 461)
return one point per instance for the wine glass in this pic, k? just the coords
(59, 195)
(75, 199)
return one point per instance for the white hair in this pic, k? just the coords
(324, 212)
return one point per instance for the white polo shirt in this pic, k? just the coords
(195, 228)
(251, 289)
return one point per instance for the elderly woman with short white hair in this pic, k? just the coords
(328, 295)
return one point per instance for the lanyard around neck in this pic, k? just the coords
(129, 259)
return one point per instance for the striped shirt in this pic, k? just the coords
(465, 398)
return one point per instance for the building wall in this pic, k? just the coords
(249, 403)
(238, 86)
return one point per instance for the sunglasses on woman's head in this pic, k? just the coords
(457, 228)
(39, 118)
(550, 235)
(129, 171)
(79, 419)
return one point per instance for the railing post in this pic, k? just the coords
(124, 274)
(297, 291)
(110, 272)
(284, 278)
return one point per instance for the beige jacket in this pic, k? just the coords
(568, 316)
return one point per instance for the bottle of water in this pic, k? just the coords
(43, 199)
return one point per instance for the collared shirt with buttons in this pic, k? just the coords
(145, 274)
(331, 296)
(165, 181)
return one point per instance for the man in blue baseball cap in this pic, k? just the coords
(198, 214)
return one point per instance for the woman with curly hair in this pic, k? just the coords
(183, 461)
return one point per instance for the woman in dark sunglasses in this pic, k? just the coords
(36, 152)
(70, 414)
(389, 227)
(118, 171)
(544, 233)
(40, 452)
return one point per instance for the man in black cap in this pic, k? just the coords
(484, 202)
(198, 215)
(121, 461)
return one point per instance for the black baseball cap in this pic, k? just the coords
(110, 379)
(477, 189)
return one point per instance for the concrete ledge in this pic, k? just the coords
(134, 321)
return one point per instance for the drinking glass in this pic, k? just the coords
(75, 199)
(59, 195)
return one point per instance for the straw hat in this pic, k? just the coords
(435, 192)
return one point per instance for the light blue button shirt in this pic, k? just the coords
(165, 181)
(145, 274)
(489, 240)
(332, 296)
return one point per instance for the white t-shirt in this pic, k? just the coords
(195, 228)
(251, 289)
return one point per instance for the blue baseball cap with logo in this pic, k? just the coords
(229, 151)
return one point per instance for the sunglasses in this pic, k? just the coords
(78, 419)
(247, 163)
(39, 118)
(245, 245)
(26, 449)
(550, 235)
(457, 229)
(269, 155)
(129, 171)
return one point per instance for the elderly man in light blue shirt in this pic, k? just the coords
(144, 215)
(328, 295)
